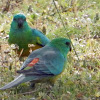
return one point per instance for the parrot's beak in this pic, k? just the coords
(20, 23)
(70, 48)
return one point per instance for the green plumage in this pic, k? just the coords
(22, 35)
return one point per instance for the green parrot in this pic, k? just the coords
(44, 64)
(23, 35)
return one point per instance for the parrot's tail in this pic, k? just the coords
(20, 79)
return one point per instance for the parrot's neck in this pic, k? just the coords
(21, 37)
(24, 29)
(63, 50)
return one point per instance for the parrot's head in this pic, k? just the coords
(63, 44)
(19, 22)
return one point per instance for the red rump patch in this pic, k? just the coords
(33, 62)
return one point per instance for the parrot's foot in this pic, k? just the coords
(32, 85)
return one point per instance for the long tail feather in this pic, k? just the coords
(20, 79)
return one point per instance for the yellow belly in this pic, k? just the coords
(23, 53)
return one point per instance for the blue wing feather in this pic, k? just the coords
(50, 62)
(38, 34)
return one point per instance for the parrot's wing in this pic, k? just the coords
(37, 31)
(33, 55)
(51, 63)
(42, 40)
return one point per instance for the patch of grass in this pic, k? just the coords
(81, 79)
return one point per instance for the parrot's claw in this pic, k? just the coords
(32, 85)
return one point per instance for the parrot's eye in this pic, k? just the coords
(67, 43)
(15, 19)
(25, 19)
